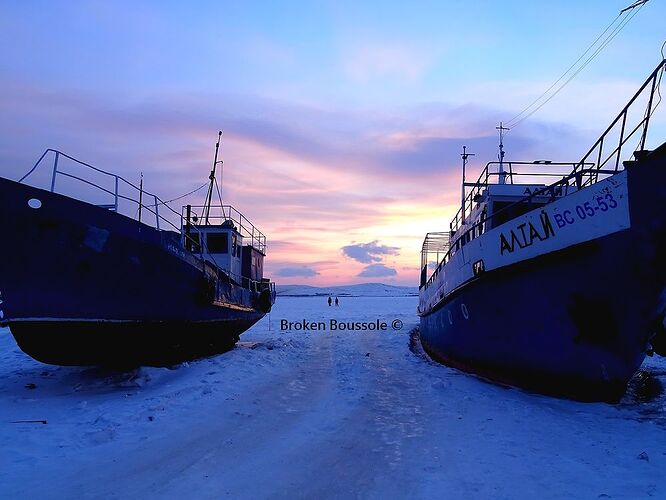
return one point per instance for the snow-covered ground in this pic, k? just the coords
(319, 414)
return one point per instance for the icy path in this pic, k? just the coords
(295, 415)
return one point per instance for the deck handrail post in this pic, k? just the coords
(55, 170)
(157, 213)
(116, 195)
(619, 149)
(649, 111)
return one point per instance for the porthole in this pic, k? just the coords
(34, 203)
(464, 310)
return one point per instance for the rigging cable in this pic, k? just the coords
(563, 74)
(165, 203)
(219, 195)
(663, 45)
(184, 195)
(624, 20)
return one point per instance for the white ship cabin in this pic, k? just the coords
(228, 241)
(494, 199)
(497, 203)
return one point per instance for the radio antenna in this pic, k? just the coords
(502, 174)
(464, 156)
(211, 177)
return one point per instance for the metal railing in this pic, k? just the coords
(226, 213)
(484, 181)
(119, 192)
(121, 186)
(434, 244)
(653, 82)
(544, 196)
(584, 173)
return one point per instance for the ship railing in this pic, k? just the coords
(137, 201)
(491, 175)
(598, 159)
(435, 244)
(598, 163)
(121, 190)
(258, 286)
(625, 127)
(542, 196)
(254, 285)
(199, 217)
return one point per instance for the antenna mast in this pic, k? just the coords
(464, 156)
(209, 195)
(502, 174)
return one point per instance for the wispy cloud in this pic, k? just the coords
(296, 271)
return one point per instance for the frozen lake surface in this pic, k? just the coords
(318, 414)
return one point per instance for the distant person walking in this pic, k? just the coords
(337, 302)
(330, 301)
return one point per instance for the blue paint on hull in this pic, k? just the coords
(575, 322)
(82, 285)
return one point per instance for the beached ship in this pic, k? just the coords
(84, 284)
(557, 287)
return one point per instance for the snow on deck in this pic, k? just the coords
(319, 414)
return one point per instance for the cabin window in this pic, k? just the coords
(234, 245)
(482, 222)
(192, 243)
(514, 210)
(218, 242)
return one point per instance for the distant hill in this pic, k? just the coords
(362, 290)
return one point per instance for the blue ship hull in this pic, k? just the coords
(576, 322)
(82, 285)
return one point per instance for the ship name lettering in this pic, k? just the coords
(526, 234)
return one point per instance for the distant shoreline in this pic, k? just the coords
(346, 296)
(359, 290)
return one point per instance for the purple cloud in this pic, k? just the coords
(366, 253)
(377, 271)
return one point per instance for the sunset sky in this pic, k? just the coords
(343, 121)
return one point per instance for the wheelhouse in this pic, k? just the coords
(227, 240)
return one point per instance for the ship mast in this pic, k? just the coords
(464, 156)
(502, 174)
(209, 195)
